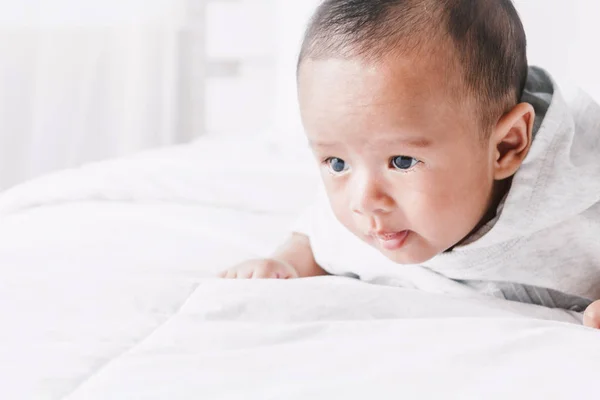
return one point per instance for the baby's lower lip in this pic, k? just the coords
(393, 241)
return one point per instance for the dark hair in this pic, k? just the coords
(487, 38)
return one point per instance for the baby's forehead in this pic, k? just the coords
(405, 75)
(379, 104)
(389, 86)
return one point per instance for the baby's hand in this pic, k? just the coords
(261, 269)
(591, 317)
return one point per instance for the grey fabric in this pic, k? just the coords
(538, 92)
(531, 294)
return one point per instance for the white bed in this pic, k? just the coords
(106, 292)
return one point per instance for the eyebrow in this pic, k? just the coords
(415, 142)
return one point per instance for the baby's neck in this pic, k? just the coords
(499, 191)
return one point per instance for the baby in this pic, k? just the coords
(448, 164)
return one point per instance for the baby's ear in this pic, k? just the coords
(511, 139)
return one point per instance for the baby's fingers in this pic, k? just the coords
(264, 273)
(245, 273)
(229, 274)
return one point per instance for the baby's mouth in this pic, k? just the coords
(390, 240)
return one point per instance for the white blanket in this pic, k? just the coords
(106, 293)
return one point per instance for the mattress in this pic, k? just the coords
(107, 291)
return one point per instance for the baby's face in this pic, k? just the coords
(403, 163)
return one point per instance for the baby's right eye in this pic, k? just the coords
(336, 165)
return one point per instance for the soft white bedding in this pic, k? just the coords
(106, 293)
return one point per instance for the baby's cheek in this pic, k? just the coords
(433, 219)
(455, 222)
(344, 215)
(347, 218)
(338, 200)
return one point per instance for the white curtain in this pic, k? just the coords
(86, 80)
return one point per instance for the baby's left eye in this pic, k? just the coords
(404, 163)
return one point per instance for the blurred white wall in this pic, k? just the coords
(563, 38)
(292, 18)
(242, 54)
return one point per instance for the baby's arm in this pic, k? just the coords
(294, 259)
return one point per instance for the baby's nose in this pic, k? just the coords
(370, 197)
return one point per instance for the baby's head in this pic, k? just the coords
(412, 108)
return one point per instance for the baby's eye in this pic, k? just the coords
(336, 165)
(404, 163)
